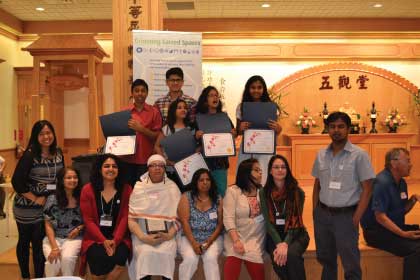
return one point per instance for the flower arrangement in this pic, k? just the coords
(394, 119)
(305, 121)
(417, 102)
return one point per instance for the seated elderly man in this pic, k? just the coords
(151, 220)
(384, 221)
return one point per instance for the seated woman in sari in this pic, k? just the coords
(152, 214)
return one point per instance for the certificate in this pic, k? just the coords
(121, 145)
(186, 167)
(218, 144)
(155, 226)
(259, 141)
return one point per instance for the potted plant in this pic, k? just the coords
(305, 121)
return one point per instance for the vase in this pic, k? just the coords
(305, 130)
(393, 129)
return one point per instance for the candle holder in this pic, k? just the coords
(373, 117)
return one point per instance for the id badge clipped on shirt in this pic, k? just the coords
(334, 185)
(106, 221)
(280, 222)
(51, 187)
(213, 215)
(259, 219)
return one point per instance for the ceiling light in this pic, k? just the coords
(39, 9)
(378, 5)
(265, 5)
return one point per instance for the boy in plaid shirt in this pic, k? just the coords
(175, 81)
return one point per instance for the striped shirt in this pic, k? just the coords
(32, 174)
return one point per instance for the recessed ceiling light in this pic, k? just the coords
(378, 5)
(265, 5)
(40, 9)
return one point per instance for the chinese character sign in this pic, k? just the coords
(342, 82)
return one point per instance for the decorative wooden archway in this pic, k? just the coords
(53, 49)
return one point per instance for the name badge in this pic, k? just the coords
(106, 221)
(403, 195)
(213, 215)
(335, 185)
(280, 222)
(259, 219)
(153, 195)
(51, 187)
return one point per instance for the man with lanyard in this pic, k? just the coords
(343, 185)
(384, 221)
(175, 81)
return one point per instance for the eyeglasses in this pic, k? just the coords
(407, 160)
(155, 165)
(175, 80)
(279, 167)
(259, 170)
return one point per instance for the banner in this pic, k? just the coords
(154, 52)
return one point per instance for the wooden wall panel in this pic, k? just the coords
(74, 147)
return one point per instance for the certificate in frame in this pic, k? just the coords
(218, 145)
(185, 168)
(121, 145)
(259, 141)
(156, 226)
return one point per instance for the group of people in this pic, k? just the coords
(135, 211)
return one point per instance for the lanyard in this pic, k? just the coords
(112, 205)
(48, 170)
(275, 207)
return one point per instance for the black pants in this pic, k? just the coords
(30, 234)
(100, 263)
(149, 277)
(383, 239)
(294, 268)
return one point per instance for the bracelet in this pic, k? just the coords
(56, 249)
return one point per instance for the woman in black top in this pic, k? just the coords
(33, 180)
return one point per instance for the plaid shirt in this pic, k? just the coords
(162, 104)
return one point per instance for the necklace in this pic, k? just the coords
(203, 200)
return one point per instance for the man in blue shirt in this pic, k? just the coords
(384, 221)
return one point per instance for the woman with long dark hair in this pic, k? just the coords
(255, 91)
(176, 121)
(33, 180)
(63, 225)
(106, 242)
(201, 214)
(282, 205)
(210, 103)
(244, 223)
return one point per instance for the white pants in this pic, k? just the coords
(69, 250)
(190, 259)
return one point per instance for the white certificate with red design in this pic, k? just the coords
(259, 141)
(120, 145)
(186, 167)
(218, 144)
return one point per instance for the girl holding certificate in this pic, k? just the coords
(244, 223)
(106, 244)
(282, 205)
(200, 212)
(209, 103)
(176, 121)
(63, 225)
(33, 180)
(255, 91)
